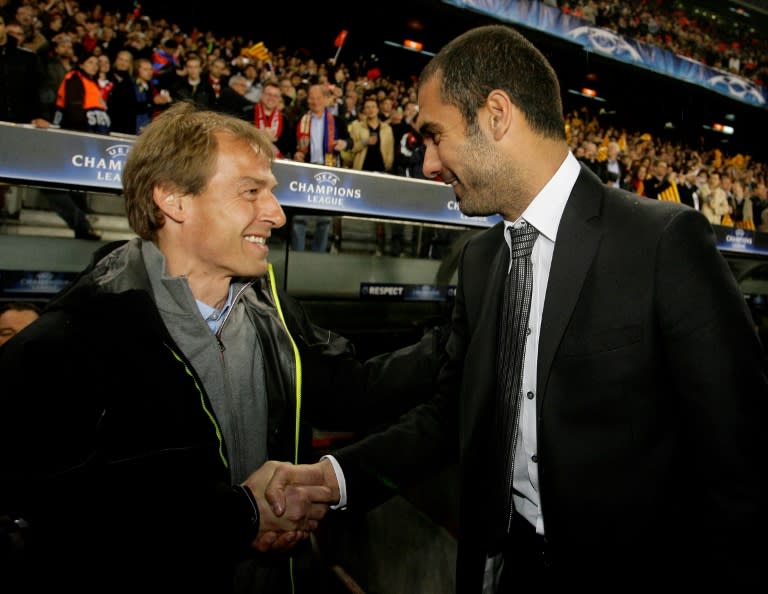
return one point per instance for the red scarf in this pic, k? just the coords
(329, 137)
(272, 122)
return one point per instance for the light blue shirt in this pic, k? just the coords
(316, 134)
(214, 317)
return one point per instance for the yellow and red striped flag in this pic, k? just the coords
(670, 194)
(258, 51)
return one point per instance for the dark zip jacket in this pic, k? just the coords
(112, 454)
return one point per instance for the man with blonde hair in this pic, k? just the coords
(174, 367)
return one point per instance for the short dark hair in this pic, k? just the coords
(20, 306)
(498, 57)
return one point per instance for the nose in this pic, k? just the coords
(432, 165)
(274, 213)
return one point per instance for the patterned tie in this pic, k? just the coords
(512, 337)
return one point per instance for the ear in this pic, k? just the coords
(499, 112)
(170, 202)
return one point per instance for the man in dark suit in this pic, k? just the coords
(641, 449)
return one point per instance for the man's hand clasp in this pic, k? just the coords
(292, 499)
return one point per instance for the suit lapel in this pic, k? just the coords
(578, 238)
(489, 270)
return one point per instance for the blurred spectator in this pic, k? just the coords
(149, 99)
(255, 86)
(57, 66)
(637, 179)
(20, 82)
(590, 157)
(121, 103)
(192, 85)
(217, 76)
(715, 203)
(407, 139)
(373, 142)
(612, 165)
(14, 317)
(165, 59)
(741, 207)
(79, 106)
(657, 182)
(320, 136)
(232, 99)
(759, 200)
(34, 40)
(103, 78)
(269, 117)
(79, 102)
(349, 109)
(689, 191)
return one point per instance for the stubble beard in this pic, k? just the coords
(487, 182)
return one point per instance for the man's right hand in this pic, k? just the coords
(288, 477)
(302, 501)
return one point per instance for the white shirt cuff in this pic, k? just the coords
(342, 504)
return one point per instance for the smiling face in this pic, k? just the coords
(469, 162)
(225, 228)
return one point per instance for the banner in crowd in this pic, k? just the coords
(549, 19)
(60, 158)
(63, 158)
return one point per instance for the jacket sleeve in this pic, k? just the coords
(344, 393)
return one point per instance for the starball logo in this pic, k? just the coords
(326, 190)
(108, 166)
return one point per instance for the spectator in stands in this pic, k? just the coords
(34, 40)
(637, 179)
(232, 99)
(714, 201)
(320, 139)
(149, 99)
(590, 156)
(373, 142)
(22, 77)
(79, 106)
(56, 68)
(216, 74)
(79, 102)
(288, 91)
(255, 86)
(192, 85)
(613, 165)
(201, 370)
(121, 103)
(349, 109)
(759, 201)
(165, 59)
(658, 181)
(268, 116)
(741, 207)
(320, 136)
(386, 108)
(609, 372)
(14, 317)
(688, 190)
(103, 78)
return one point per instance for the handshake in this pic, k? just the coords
(291, 500)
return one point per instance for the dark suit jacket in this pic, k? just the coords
(651, 401)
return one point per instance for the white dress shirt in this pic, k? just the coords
(544, 213)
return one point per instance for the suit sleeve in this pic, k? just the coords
(716, 357)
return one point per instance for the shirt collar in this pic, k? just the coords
(546, 209)
(207, 311)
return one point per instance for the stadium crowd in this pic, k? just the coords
(102, 71)
(684, 28)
